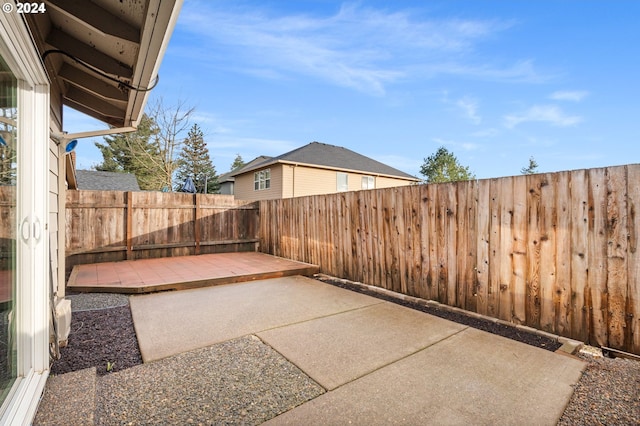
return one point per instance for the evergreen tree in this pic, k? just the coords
(531, 169)
(443, 166)
(194, 162)
(237, 163)
(137, 153)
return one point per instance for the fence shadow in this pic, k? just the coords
(554, 251)
(104, 226)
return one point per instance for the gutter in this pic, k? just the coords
(319, 166)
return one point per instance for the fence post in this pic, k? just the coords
(129, 209)
(196, 221)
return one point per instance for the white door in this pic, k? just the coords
(24, 169)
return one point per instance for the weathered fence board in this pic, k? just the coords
(553, 251)
(114, 225)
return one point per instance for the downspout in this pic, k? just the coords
(59, 306)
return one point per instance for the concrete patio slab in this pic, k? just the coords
(359, 341)
(173, 322)
(471, 377)
(381, 363)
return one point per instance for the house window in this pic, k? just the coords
(262, 180)
(368, 182)
(343, 181)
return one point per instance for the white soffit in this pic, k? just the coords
(97, 52)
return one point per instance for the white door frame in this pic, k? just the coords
(32, 235)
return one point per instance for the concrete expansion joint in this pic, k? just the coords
(569, 346)
(395, 360)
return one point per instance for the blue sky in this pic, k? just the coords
(495, 82)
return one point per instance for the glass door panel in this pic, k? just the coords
(8, 226)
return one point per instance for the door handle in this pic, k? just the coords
(37, 230)
(25, 229)
(31, 230)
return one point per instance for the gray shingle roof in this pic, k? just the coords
(227, 177)
(106, 181)
(322, 154)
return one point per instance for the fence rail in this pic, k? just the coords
(115, 225)
(555, 251)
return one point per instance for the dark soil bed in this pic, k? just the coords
(103, 338)
(481, 324)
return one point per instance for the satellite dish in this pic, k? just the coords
(71, 146)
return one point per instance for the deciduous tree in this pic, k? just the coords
(172, 122)
(136, 152)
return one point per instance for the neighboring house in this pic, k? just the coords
(227, 181)
(316, 168)
(98, 57)
(106, 181)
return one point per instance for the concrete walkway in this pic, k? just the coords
(378, 362)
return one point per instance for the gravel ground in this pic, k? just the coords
(241, 381)
(92, 301)
(607, 394)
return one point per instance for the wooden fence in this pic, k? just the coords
(556, 251)
(113, 225)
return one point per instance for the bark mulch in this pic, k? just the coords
(103, 338)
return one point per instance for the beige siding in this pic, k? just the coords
(386, 182)
(244, 189)
(288, 187)
(57, 180)
(312, 181)
(289, 180)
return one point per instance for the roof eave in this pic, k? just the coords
(158, 28)
(318, 166)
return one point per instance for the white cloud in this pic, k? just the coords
(257, 146)
(357, 47)
(521, 72)
(486, 133)
(465, 146)
(470, 108)
(551, 114)
(569, 95)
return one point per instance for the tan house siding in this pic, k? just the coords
(387, 182)
(315, 181)
(288, 180)
(57, 187)
(312, 181)
(288, 186)
(244, 189)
